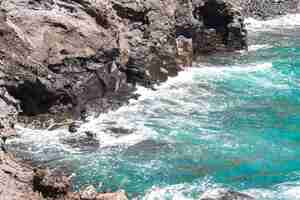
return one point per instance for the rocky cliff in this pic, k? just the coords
(67, 58)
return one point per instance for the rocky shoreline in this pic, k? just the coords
(64, 59)
(68, 59)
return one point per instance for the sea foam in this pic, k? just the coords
(289, 21)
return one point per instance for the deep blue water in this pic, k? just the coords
(232, 121)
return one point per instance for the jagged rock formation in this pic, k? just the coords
(67, 58)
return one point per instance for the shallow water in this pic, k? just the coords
(234, 122)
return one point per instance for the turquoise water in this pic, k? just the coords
(233, 123)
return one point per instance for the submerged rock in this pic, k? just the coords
(149, 147)
(86, 142)
(224, 194)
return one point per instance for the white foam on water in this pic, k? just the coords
(221, 71)
(180, 191)
(165, 193)
(289, 21)
(209, 190)
(290, 193)
(263, 194)
(38, 140)
(258, 47)
(132, 117)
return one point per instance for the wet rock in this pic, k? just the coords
(87, 142)
(90, 134)
(148, 147)
(119, 131)
(224, 194)
(74, 126)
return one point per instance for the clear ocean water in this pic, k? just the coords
(232, 121)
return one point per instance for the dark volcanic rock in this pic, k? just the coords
(224, 194)
(218, 25)
(61, 56)
(86, 142)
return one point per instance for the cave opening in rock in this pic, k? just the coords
(214, 15)
(34, 97)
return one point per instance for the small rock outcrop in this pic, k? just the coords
(224, 194)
